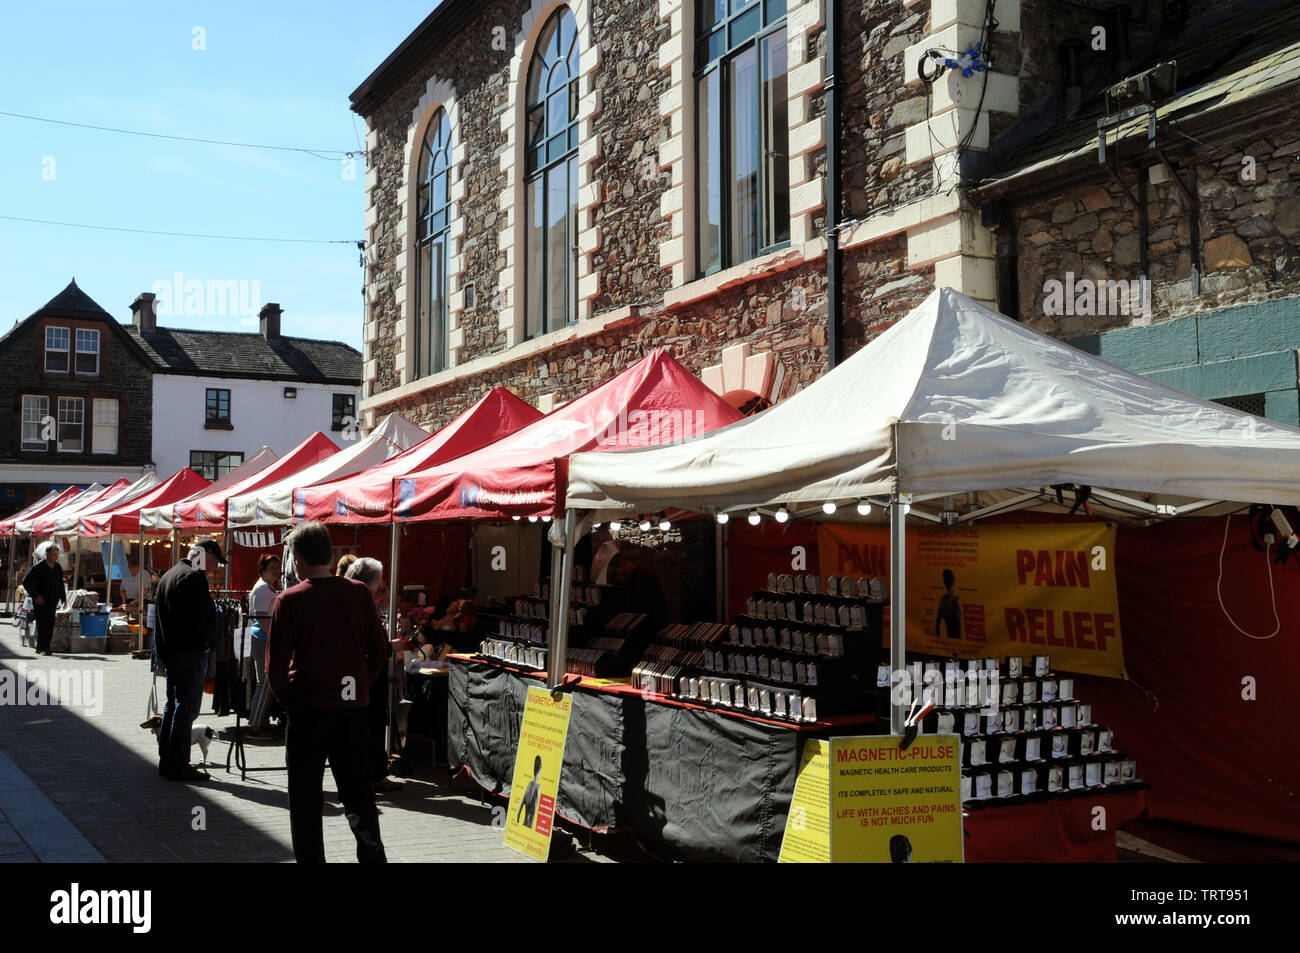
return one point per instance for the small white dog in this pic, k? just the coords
(202, 736)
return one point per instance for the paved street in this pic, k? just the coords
(81, 785)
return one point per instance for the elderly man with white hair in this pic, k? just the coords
(44, 583)
(371, 572)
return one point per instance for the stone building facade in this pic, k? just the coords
(919, 150)
(1202, 224)
(78, 399)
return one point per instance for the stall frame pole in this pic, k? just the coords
(897, 609)
(226, 550)
(393, 590)
(11, 589)
(720, 570)
(108, 572)
(560, 617)
(76, 562)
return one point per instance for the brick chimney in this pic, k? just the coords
(270, 317)
(144, 312)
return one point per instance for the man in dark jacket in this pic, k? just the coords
(44, 583)
(185, 631)
(325, 650)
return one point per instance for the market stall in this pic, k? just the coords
(7, 529)
(206, 514)
(272, 504)
(953, 415)
(358, 508)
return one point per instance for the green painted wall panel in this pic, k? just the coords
(1247, 375)
(1250, 329)
(1283, 406)
(1145, 349)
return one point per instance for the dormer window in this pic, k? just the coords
(56, 350)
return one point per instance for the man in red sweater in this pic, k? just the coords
(325, 650)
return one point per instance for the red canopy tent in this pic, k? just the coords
(48, 503)
(654, 401)
(209, 510)
(365, 497)
(46, 522)
(126, 518)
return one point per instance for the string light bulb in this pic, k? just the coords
(645, 524)
(724, 518)
(828, 507)
(782, 515)
(665, 524)
(864, 508)
(615, 526)
(754, 518)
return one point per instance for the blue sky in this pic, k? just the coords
(277, 73)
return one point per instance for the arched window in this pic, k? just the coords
(433, 220)
(743, 134)
(551, 178)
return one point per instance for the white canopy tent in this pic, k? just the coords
(956, 398)
(65, 521)
(158, 519)
(272, 505)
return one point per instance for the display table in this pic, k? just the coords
(693, 783)
(690, 782)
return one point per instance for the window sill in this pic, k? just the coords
(488, 362)
(218, 425)
(782, 259)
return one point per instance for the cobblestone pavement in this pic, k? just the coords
(80, 782)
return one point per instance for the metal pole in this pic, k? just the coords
(720, 571)
(392, 582)
(393, 590)
(897, 606)
(11, 592)
(834, 267)
(560, 619)
(108, 572)
(76, 563)
(229, 561)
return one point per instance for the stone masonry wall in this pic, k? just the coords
(877, 108)
(1250, 231)
(781, 309)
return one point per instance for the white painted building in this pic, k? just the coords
(218, 396)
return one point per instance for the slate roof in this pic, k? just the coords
(249, 355)
(1245, 52)
(72, 301)
(234, 354)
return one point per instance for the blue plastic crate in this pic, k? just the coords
(94, 626)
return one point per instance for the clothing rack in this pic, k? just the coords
(235, 749)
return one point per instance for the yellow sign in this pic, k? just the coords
(994, 591)
(807, 837)
(864, 800)
(531, 813)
